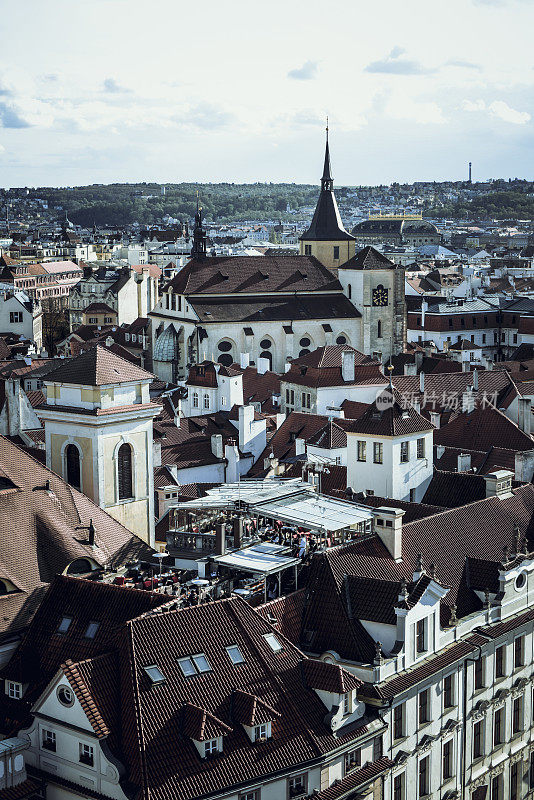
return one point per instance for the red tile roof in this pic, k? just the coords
(97, 367)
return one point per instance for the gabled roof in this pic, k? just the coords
(389, 415)
(200, 725)
(369, 258)
(481, 429)
(329, 677)
(247, 709)
(97, 367)
(231, 275)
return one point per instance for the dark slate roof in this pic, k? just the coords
(330, 437)
(482, 429)
(369, 258)
(329, 677)
(230, 275)
(326, 225)
(97, 367)
(282, 308)
(389, 415)
(453, 489)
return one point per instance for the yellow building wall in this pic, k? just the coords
(86, 446)
(133, 514)
(324, 252)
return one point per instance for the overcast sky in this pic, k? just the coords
(95, 91)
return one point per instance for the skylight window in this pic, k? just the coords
(155, 674)
(193, 665)
(91, 630)
(187, 666)
(273, 642)
(236, 656)
(64, 625)
(202, 663)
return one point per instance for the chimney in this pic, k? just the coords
(439, 451)
(424, 309)
(524, 414)
(348, 365)
(300, 446)
(237, 527)
(91, 533)
(475, 380)
(109, 341)
(220, 539)
(435, 419)
(388, 526)
(422, 382)
(244, 360)
(217, 445)
(410, 369)
(499, 483)
(287, 366)
(418, 361)
(246, 420)
(262, 365)
(464, 462)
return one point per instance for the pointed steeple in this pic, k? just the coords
(327, 181)
(198, 250)
(326, 225)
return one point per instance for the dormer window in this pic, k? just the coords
(262, 732)
(212, 746)
(347, 703)
(14, 690)
(421, 636)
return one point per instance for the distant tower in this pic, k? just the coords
(198, 250)
(470, 181)
(326, 238)
(162, 191)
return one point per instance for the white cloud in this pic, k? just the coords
(394, 64)
(503, 111)
(499, 109)
(307, 72)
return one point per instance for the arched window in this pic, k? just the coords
(72, 462)
(124, 472)
(379, 331)
(79, 567)
(195, 399)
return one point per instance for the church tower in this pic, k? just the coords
(99, 434)
(198, 251)
(326, 238)
(375, 286)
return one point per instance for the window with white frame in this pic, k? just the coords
(206, 401)
(378, 452)
(262, 731)
(421, 448)
(254, 794)
(347, 703)
(48, 740)
(362, 448)
(404, 452)
(297, 786)
(353, 759)
(15, 316)
(14, 690)
(211, 746)
(195, 399)
(87, 754)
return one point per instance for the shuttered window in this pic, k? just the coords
(124, 468)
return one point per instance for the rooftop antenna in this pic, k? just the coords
(470, 165)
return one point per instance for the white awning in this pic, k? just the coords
(257, 560)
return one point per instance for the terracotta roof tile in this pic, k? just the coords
(97, 367)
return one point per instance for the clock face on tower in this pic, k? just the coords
(380, 296)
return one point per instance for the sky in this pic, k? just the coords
(100, 91)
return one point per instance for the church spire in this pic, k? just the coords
(327, 181)
(198, 250)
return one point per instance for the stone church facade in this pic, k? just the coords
(281, 307)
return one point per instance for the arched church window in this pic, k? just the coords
(379, 329)
(124, 472)
(341, 340)
(72, 458)
(225, 347)
(265, 344)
